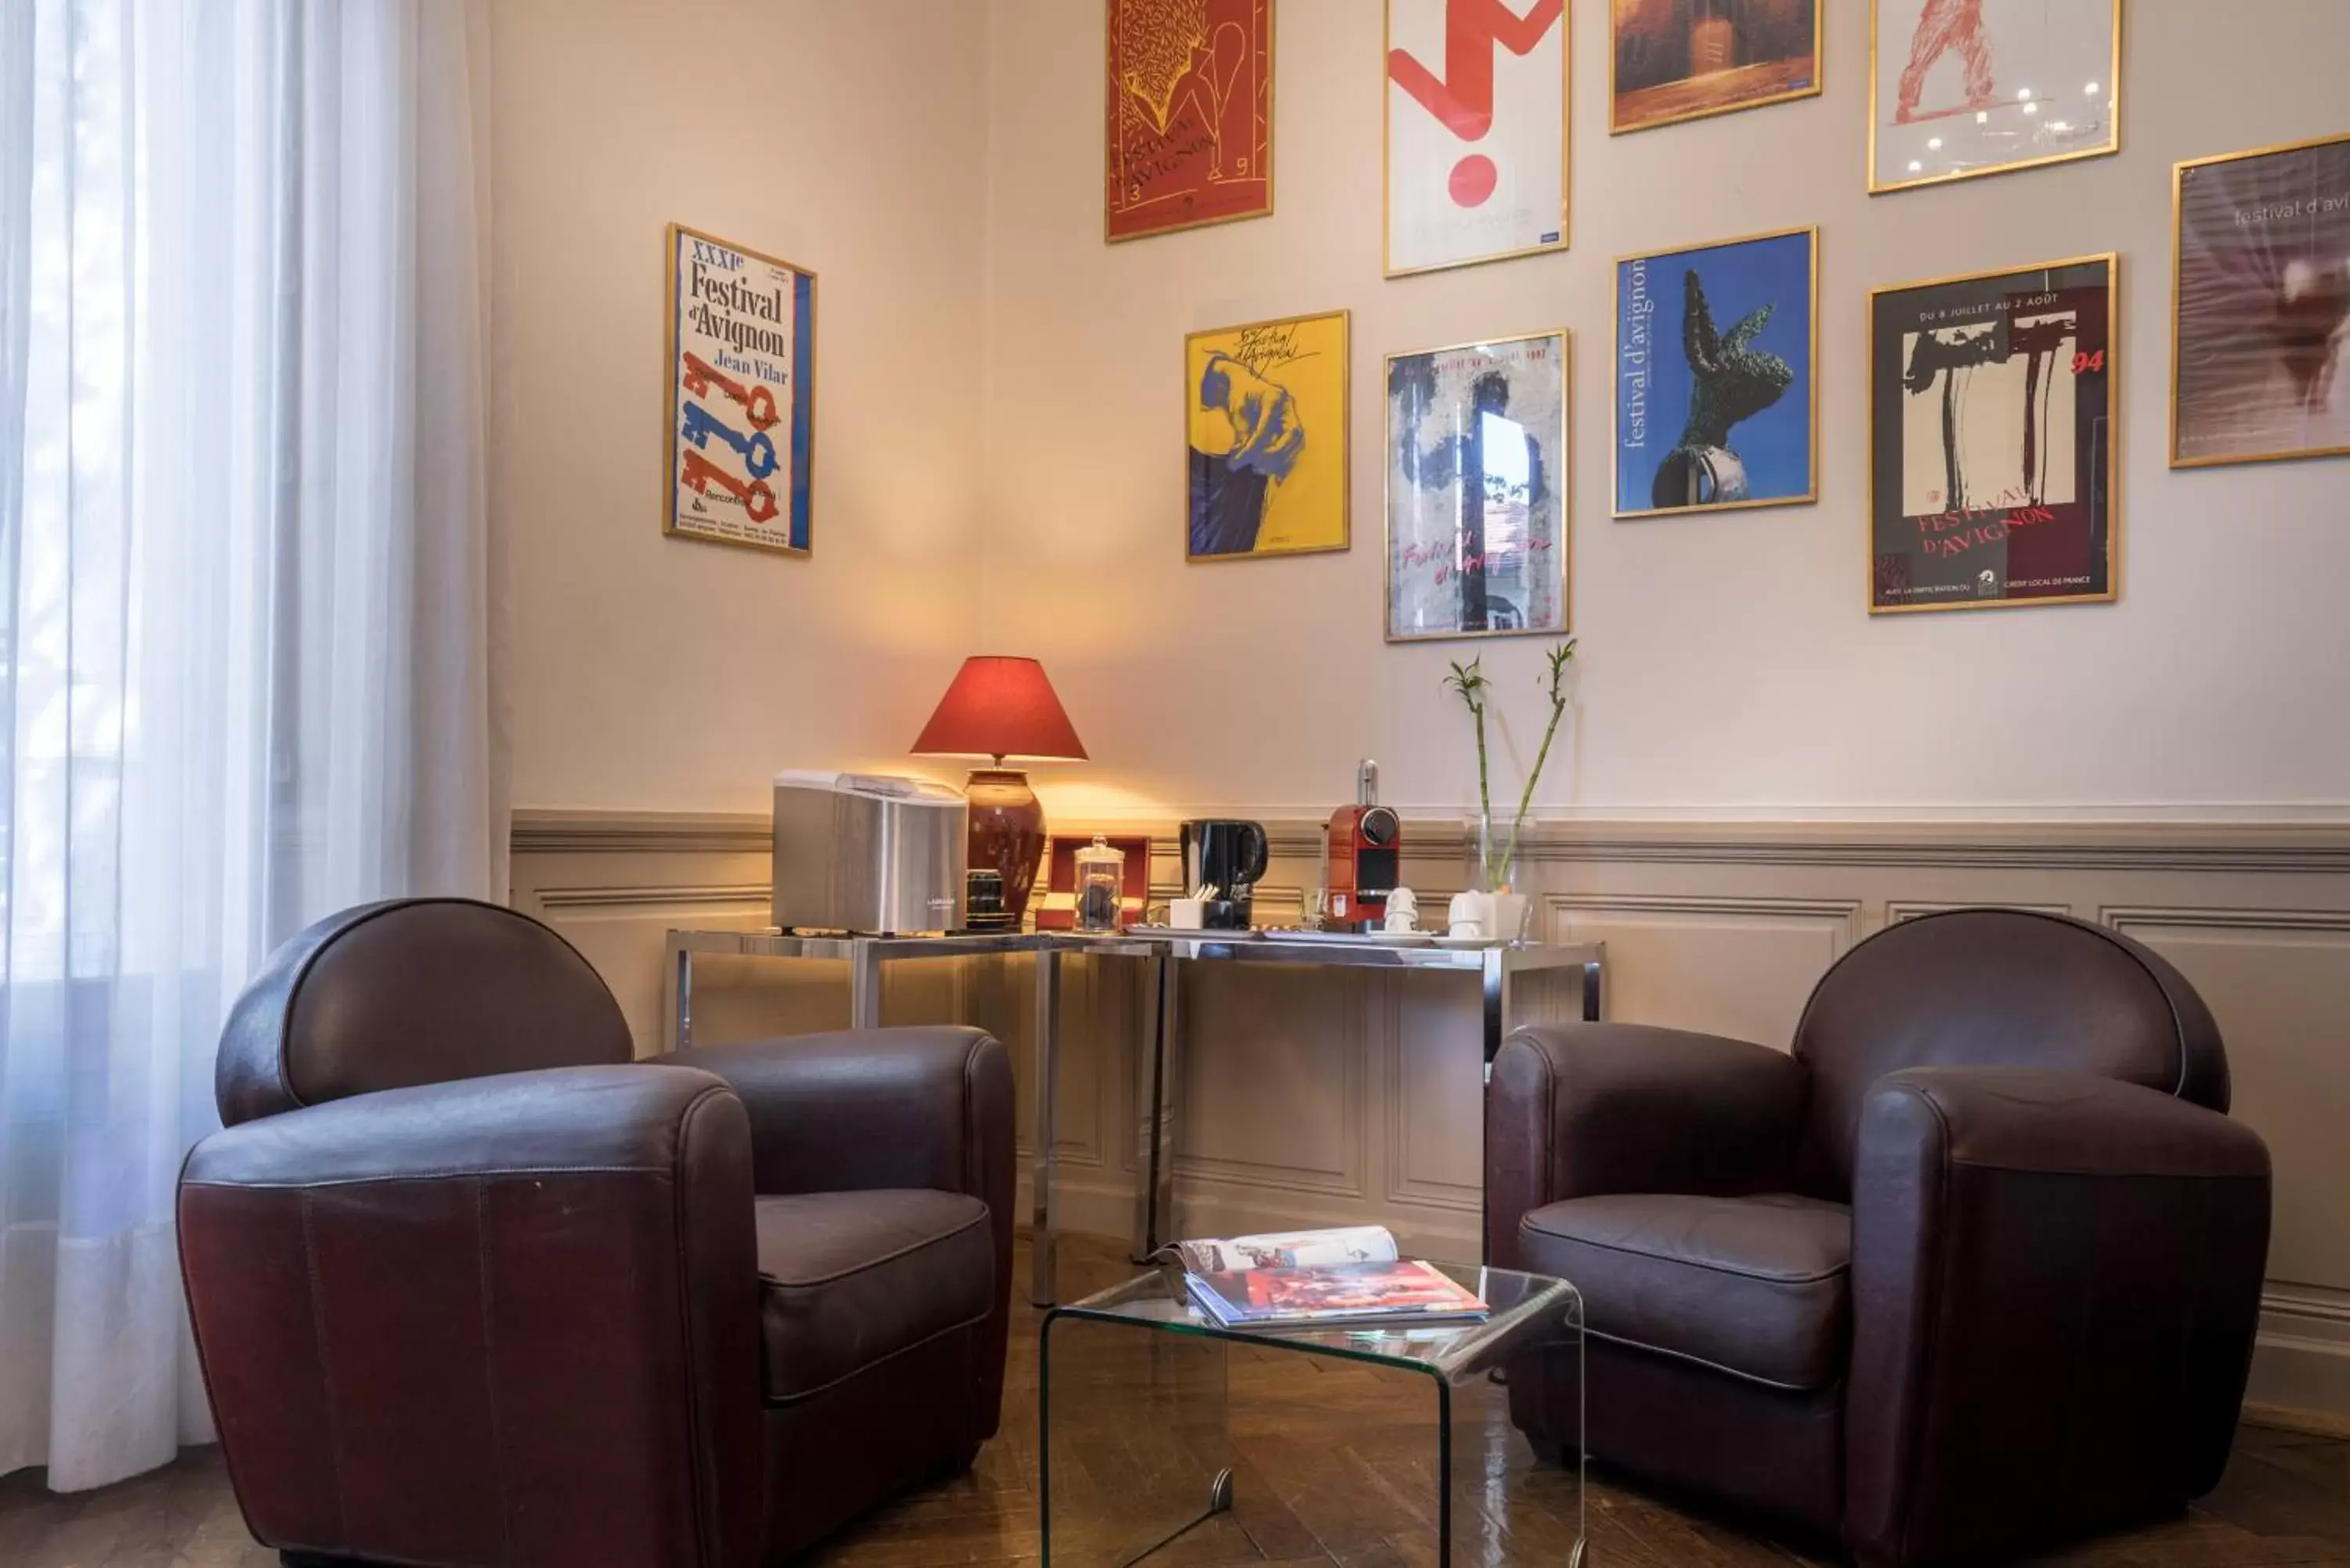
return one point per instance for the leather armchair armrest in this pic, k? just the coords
(865, 1109)
(1577, 1109)
(504, 1294)
(871, 1109)
(2056, 1278)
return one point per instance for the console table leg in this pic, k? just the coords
(1497, 1007)
(1151, 1064)
(1044, 1231)
(864, 989)
(680, 1021)
(1166, 1103)
(1497, 1029)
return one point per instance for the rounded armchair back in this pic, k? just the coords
(412, 990)
(1994, 988)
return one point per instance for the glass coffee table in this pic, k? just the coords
(1159, 1428)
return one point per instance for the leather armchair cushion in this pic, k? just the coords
(851, 1279)
(1758, 1287)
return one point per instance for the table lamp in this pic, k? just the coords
(997, 708)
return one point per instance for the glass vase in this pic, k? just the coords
(1492, 873)
(1488, 841)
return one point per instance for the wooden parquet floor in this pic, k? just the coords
(1334, 1465)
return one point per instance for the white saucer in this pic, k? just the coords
(1468, 944)
(1403, 938)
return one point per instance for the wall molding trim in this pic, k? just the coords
(657, 896)
(2269, 922)
(1842, 912)
(540, 830)
(2311, 1305)
(2244, 844)
(2301, 1375)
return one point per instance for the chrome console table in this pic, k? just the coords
(1496, 968)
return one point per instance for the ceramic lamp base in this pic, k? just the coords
(1007, 832)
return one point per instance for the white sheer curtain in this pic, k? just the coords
(246, 580)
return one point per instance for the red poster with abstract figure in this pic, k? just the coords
(1191, 114)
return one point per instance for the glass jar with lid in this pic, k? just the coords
(1101, 883)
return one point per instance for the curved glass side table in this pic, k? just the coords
(1147, 1437)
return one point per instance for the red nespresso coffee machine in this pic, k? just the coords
(1365, 852)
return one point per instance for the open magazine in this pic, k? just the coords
(1289, 1250)
(1319, 1277)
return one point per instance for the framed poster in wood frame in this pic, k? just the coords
(2259, 346)
(1474, 144)
(1958, 90)
(1479, 479)
(1993, 436)
(1188, 100)
(740, 442)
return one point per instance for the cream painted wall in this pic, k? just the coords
(1726, 664)
(851, 139)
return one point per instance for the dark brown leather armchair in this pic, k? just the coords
(470, 1286)
(1975, 1267)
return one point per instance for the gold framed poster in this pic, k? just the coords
(1993, 439)
(740, 340)
(1479, 466)
(2261, 286)
(1265, 418)
(1190, 98)
(1959, 89)
(1671, 60)
(1473, 161)
(1717, 389)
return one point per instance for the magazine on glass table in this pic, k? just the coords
(1311, 1278)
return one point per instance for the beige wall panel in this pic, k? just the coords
(1725, 966)
(2281, 988)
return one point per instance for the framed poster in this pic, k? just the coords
(1477, 488)
(1190, 115)
(1992, 437)
(1961, 89)
(1671, 60)
(742, 404)
(1476, 131)
(2263, 285)
(1717, 387)
(1265, 409)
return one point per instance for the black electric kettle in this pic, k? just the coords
(1227, 856)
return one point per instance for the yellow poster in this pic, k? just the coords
(1266, 404)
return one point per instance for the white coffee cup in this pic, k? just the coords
(1403, 909)
(1467, 915)
(1187, 914)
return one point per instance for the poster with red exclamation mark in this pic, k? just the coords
(1476, 131)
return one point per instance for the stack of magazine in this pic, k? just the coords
(1314, 1278)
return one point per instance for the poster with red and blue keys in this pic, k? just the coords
(742, 361)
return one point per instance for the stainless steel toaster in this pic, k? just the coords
(869, 853)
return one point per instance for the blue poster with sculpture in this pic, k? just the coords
(1715, 389)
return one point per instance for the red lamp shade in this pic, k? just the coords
(1000, 707)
